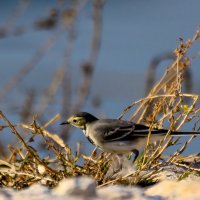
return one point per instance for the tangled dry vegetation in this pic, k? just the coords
(165, 103)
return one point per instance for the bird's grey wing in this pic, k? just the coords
(122, 130)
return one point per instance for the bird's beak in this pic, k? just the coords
(64, 123)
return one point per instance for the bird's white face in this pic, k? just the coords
(79, 122)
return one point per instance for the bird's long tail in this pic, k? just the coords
(142, 130)
(176, 133)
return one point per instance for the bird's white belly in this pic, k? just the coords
(126, 146)
(123, 147)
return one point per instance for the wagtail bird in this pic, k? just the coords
(118, 136)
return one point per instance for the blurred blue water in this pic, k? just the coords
(133, 33)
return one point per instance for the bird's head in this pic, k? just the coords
(80, 120)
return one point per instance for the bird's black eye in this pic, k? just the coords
(74, 120)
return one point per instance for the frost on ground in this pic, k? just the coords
(85, 188)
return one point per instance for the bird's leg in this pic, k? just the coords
(136, 152)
